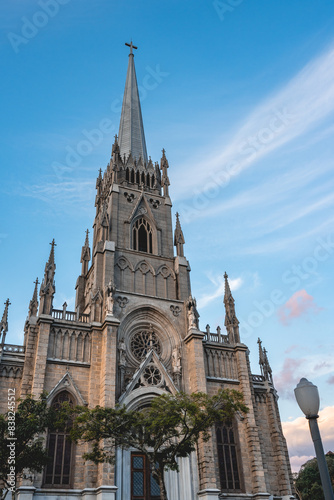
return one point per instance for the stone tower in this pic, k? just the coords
(135, 334)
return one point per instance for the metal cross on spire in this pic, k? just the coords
(131, 46)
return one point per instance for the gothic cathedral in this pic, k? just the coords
(135, 334)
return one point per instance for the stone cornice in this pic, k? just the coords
(193, 334)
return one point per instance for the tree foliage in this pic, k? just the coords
(308, 482)
(167, 429)
(22, 447)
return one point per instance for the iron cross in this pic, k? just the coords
(131, 46)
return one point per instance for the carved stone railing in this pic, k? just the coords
(257, 378)
(215, 337)
(69, 315)
(12, 348)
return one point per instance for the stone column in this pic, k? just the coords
(30, 356)
(252, 431)
(91, 469)
(181, 267)
(42, 343)
(197, 383)
(108, 376)
(283, 470)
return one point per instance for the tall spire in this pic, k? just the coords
(231, 320)
(131, 136)
(178, 237)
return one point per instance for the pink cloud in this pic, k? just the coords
(299, 304)
(299, 440)
(293, 369)
(291, 348)
(288, 377)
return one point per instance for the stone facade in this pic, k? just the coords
(135, 334)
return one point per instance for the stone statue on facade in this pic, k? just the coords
(110, 290)
(192, 313)
(122, 353)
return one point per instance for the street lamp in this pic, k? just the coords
(307, 397)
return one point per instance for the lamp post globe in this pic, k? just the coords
(307, 397)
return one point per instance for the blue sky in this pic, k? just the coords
(241, 96)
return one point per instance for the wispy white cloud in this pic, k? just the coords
(219, 284)
(286, 184)
(291, 241)
(62, 195)
(304, 102)
(299, 440)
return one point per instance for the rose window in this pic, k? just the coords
(152, 375)
(142, 342)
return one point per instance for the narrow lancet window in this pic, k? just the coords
(58, 472)
(142, 236)
(227, 458)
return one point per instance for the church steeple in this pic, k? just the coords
(231, 320)
(131, 138)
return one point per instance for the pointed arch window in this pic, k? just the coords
(142, 236)
(228, 458)
(59, 470)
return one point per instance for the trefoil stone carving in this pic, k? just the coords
(122, 301)
(175, 310)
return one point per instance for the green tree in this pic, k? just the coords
(308, 482)
(22, 448)
(167, 429)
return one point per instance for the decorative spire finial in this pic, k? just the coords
(178, 237)
(164, 178)
(85, 255)
(87, 238)
(231, 320)
(4, 320)
(131, 47)
(48, 288)
(228, 293)
(52, 252)
(264, 363)
(4, 324)
(33, 305)
(261, 358)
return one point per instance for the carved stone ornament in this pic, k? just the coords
(175, 310)
(155, 203)
(142, 211)
(122, 301)
(130, 197)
